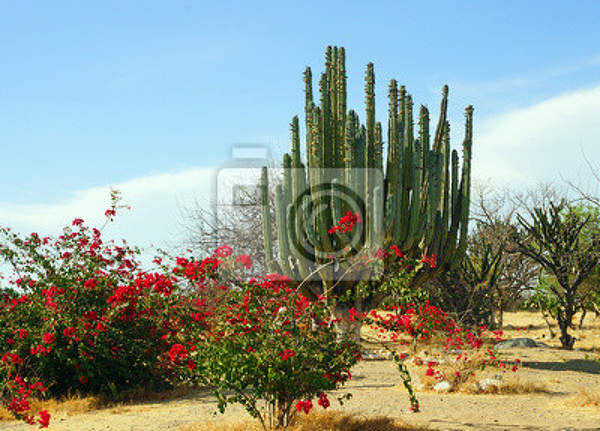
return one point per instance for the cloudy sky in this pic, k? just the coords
(151, 97)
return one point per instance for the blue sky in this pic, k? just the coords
(94, 94)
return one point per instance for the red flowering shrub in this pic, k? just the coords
(82, 316)
(262, 343)
(462, 349)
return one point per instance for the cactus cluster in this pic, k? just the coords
(410, 194)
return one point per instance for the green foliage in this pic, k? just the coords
(562, 239)
(468, 291)
(268, 343)
(543, 298)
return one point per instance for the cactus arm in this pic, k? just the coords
(272, 265)
(439, 132)
(465, 184)
(409, 163)
(282, 233)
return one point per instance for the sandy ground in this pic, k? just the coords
(376, 391)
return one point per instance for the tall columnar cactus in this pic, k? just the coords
(417, 199)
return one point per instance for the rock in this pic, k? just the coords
(442, 386)
(518, 342)
(438, 361)
(376, 355)
(486, 384)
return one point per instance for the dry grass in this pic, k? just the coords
(326, 421)
(78, 404)
(73, 405)
(517, 386)
(584, 398)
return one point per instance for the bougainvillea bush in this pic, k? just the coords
(266, 345)
(433, 341)
(82, 317)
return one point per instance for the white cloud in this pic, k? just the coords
(153, 219)
(543, 142)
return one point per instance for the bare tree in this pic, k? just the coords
(237, 222)
(589, 193)
(238, 226)
(494, 212)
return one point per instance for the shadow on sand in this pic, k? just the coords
(580, 365)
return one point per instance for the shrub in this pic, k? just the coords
(83, 317)
(264, 342)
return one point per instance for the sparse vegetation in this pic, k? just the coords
(585, 398)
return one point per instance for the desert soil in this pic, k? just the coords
(376, 390)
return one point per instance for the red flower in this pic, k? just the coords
(346, 223)
(323, 401)
(89, 284)
(353, 314)
(44, 419)
(429, 372)
(68, 332)
(39, 350)
(23, 333)
(77, 222)
(431, 260)
(287, 354)
(223, 251)
(83, 380)
(244, 260)
(396, 250)
(304, 405)
(48, 338)
(109, 213)
(177, 352)
(381, 254)
(11, 357)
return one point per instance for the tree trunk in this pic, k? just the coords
(583, 313)
(564, 323)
